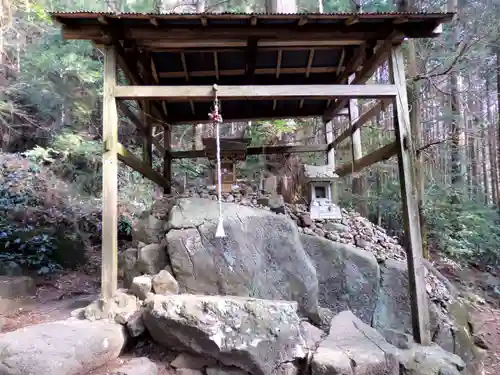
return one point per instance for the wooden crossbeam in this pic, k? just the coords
(133, 77)
(124, 108)
(283, 92)
(383, 153)
(257, 71)
(205, 35)
(261, 150)
(360, 121)
(137, 165)
(369, 67)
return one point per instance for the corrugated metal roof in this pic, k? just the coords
(339, 14)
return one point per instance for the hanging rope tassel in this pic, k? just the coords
(217, 119)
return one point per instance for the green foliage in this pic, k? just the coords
(27, 247)
(74, 159)
(59, 79)
(466, 231)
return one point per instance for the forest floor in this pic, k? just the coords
(55, 299)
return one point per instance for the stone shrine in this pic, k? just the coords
(320, 180)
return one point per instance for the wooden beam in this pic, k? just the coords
(406, 163)
(167, 160)
(109, 269)
(381, 154)
(124, 108)
(368, 69)
(201, 35)
(330, 155)
(353, 64)
(177, 46)
(360, 121)
(137, 165)
(378, 58)
(255, 92)
(261, 150)
(133, 77)
(147, 146)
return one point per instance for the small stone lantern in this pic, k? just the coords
(320, 180)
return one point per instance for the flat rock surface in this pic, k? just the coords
(251, 334)
(60, 348)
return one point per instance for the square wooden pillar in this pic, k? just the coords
(109, 268)
(407, 178)
(330, 156)
(167, 159)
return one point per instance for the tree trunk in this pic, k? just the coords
(457, 127)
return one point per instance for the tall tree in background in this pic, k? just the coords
(457, 125)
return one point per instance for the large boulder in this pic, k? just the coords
(261, 255)
(354, 348)
(348, 276)
(258, 336)
(450, 326)
(378, 293)
(69, 347)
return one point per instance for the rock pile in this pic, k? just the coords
(268, 298)
(352, 229)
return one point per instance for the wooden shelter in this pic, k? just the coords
(266, 66)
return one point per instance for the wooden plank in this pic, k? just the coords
(360, 121)
(383, 153)
(406, 162)
(202, 35)
(211, 46)
(147, 146)
(330, 155)
(109, 269)
(255, 92)
(137, 165)
(261, 150)
(167, 159)
(259, 71)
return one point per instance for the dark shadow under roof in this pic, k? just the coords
(249, 49)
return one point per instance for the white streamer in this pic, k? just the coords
(217, 118)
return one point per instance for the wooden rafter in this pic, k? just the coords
(257, 71)
(133, 76)
(367, 71)
(310, 60)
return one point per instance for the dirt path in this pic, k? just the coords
(487, 321)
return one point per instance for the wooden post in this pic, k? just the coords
(147, 146)
(406, 161)
(357, 154)
(330, 156)
(109, 269)
(167, 159)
